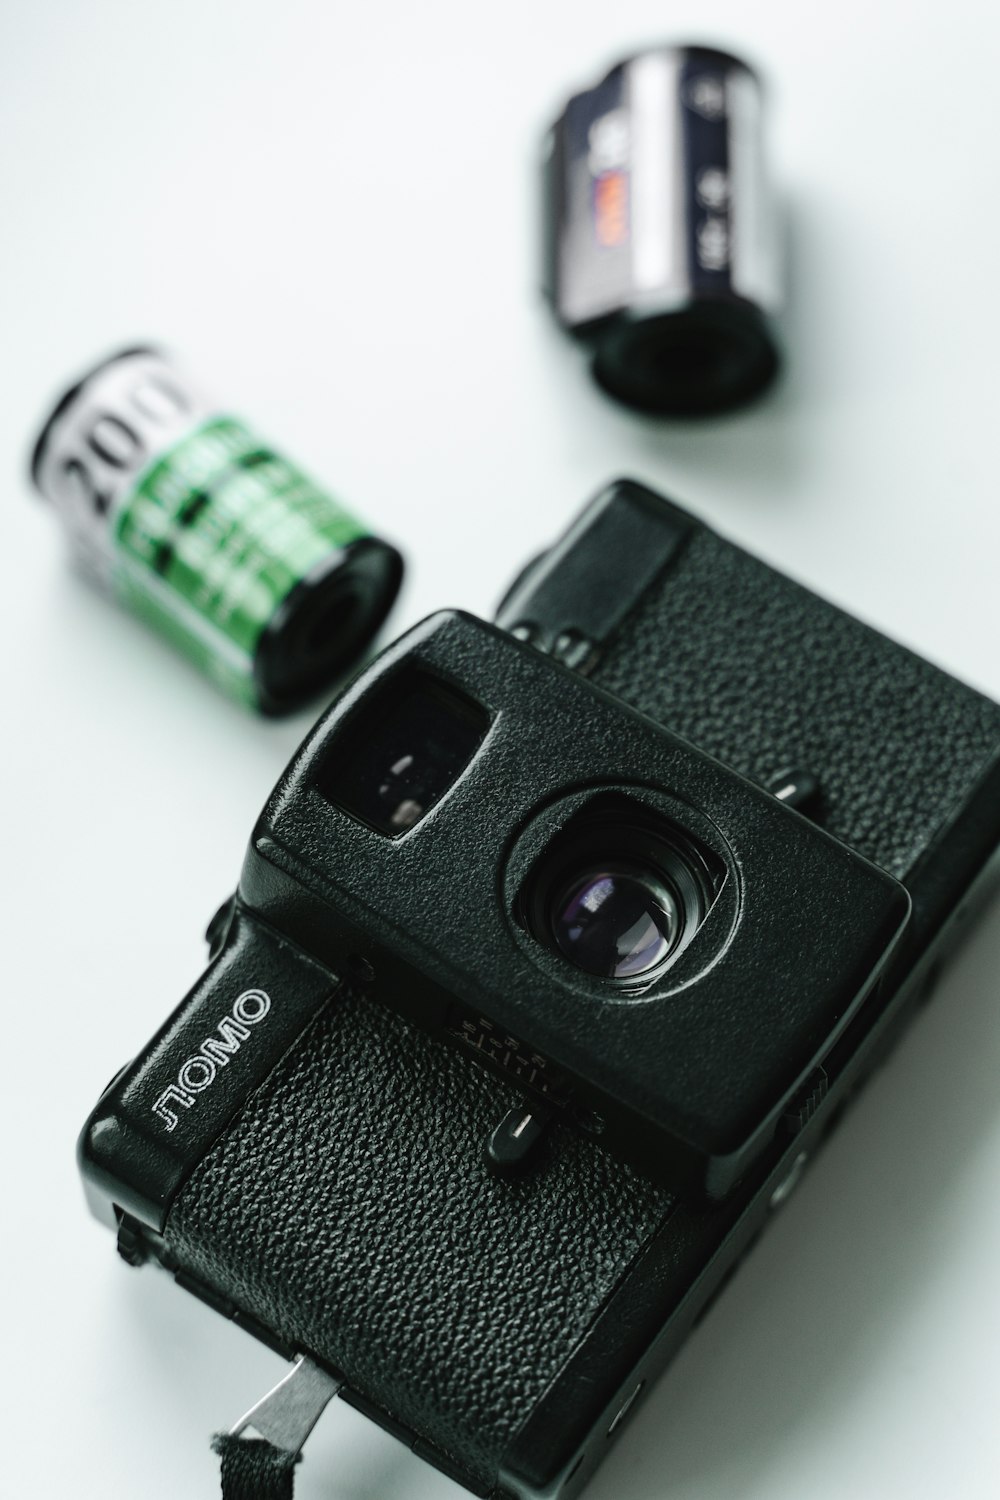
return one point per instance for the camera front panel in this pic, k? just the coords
(519, 861)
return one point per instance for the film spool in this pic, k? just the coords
(174, 506)
(661, 249)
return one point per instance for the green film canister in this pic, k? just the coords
(177, 508)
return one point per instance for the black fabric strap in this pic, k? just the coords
(253, 1469)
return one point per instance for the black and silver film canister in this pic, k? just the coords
(258, 575)
(660, 231)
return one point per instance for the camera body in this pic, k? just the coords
(557, 949)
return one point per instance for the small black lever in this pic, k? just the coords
(795, 787)
(514, 1139)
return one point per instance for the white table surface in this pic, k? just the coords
(329, 212)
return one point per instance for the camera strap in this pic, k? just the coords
(259, 1454)
(253, 1469)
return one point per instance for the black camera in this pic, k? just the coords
(557, 950)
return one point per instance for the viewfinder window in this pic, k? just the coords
(403, 752)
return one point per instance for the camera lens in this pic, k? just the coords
(617, 922)
(617, 890)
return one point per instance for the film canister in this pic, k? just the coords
(222, 544)
(660, 231)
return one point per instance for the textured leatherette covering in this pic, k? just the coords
(348, 1206)
(350, 1209)
(759, 672)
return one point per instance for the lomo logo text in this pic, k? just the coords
(200, 1070)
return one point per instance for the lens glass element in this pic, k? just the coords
(616, 922)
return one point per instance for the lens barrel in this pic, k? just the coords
(660, 231)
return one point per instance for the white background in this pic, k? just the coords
(329, 212)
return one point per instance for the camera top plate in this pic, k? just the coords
(688, 1074)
